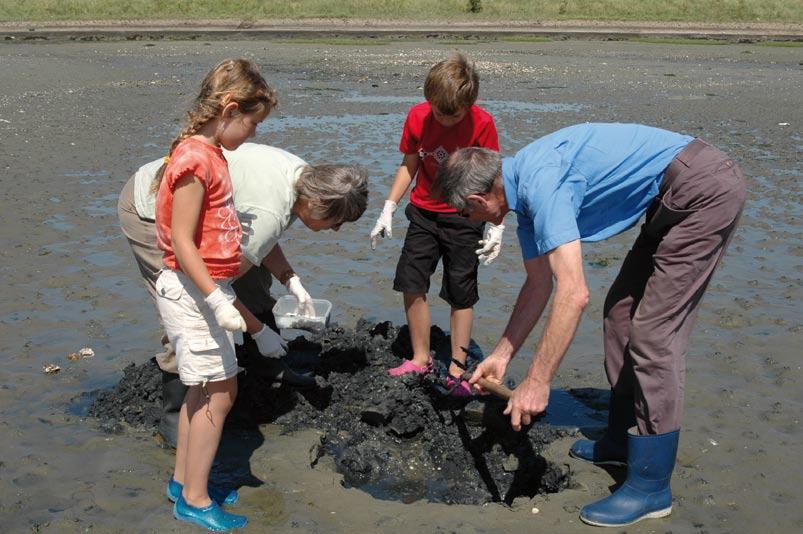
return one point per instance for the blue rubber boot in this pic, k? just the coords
(220, 496)
(212, 517)
(611, 449)
(646, 493)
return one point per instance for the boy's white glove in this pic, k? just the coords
(305, 307)
(491, 243)
(383, 228)
(226, 314)
(269, 343)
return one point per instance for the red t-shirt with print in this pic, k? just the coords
(218, 233)
(434, 142)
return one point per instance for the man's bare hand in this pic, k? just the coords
(491, 368)
(528, 400)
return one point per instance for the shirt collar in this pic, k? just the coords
(510, 183)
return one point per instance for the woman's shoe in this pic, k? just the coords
(211, 517)
(220, 496)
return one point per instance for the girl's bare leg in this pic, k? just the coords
(206, 426)
(184, 433)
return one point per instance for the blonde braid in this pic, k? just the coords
(197, 118)
(236, 80)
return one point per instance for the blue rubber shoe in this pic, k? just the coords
(611, 449)
(646, 493)
(605, 451)
(221, 496)
(212, 517)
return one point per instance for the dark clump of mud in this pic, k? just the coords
(136, 400)
(396, 438)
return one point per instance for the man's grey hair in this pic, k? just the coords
(468, 171)
(337, 192)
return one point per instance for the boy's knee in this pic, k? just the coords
(460, 298)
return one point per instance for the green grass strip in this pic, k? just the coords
(408, 10)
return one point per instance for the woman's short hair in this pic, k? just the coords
(337, 192)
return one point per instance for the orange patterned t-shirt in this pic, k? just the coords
(218, 233)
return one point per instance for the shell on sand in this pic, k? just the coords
(50, 368)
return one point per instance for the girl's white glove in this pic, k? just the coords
(269, 343)
(305, 307)
(226, 314)
(490, 244)
(383, 228)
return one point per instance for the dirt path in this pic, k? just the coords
(394, 29)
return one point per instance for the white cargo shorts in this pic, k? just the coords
(204, 350)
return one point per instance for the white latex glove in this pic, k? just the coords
(490, 244)
(226, 314)
(269, 343)
(382, 228)
(305, 307)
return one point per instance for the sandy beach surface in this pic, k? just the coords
(77, 118)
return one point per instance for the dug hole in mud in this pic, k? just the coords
(395, 438)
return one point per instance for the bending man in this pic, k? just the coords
(586, 183)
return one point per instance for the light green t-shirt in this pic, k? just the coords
(263, 180)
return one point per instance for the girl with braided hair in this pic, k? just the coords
(199, 233)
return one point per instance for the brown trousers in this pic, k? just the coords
(141, 236)
(652, 305)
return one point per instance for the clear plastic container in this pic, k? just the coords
(284, 311)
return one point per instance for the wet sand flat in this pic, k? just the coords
(76, 119)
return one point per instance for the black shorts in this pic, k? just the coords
(433, 235)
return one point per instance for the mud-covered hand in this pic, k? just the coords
(305, 307)
(492, 369)
(226, 314)
(491, 243)
(383, 226)
(269, 343)
(527, 401)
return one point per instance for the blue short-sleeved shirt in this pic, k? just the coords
(588, 182)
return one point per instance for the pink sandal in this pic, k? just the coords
(409, 367)
(458, 387)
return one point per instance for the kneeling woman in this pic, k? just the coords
(271, 189)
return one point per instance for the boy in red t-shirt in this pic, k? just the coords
(447, 121)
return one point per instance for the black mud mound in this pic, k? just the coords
(136, 400)
(396, 438)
